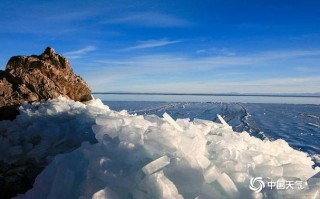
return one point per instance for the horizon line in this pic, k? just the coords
(316, 95)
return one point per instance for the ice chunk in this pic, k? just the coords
(267, 171)
(203, 122)
(98, 104)
(240, 177)
(314, 193)
(223, 121)
(139, 194)
(184, 122)
(131, 133)
(156, 143)
(314, 181)
(209, 192)
(211, 174)
(299, 170)
(203, 161)
(228, 186)
(156, 165)
(266, 159)
(126, 145)
(257, 195)
(100, 131)
(258, 159)
(187, 179)
(169, 119)
(153, 119)
(233, 166)
(198, 159)
(105, 193)
(110, 121)
(158, 186)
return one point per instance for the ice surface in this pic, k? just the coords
(147, 156)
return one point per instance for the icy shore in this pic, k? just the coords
(152, 157)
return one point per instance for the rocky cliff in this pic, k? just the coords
(34, 78)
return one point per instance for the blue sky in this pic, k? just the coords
(215, 46)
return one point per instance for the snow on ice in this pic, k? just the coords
(150, 157)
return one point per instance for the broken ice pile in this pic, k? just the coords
(45, 129)
(147, 157)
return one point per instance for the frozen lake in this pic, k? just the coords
(298, 124)
(209, 98)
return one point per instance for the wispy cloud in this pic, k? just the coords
(306, 69)
(164, 63)
(216, 51)
(150, 19)
(152, 44)
(211, 73)
(269, 85)
(79, 53)
(289, 54)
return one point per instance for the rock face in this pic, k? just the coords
(29, 79)
(35, 78)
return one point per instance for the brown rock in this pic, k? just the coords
(34, 78)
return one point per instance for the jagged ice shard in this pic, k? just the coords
(146, 156)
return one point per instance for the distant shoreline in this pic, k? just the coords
(207, 94)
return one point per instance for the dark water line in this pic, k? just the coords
(208, 94)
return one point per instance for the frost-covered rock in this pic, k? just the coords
(151, 157)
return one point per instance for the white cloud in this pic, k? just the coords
(78, 53)
(152, 44)
(150, 19)
(306, 69)
(227, 73)
(217, 51)
(271, 85)
(164, 63)
(288, 54)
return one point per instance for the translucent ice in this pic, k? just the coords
(211, 174)
(144, 157)
(228, 186)
(156, 165)
(105, 193)
(158, 186)
(169, 119)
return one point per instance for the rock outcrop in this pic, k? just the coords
(34, 78)
(29, 79)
